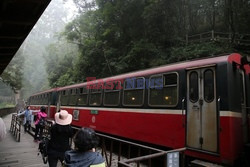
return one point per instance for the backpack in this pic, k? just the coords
(41, 121)
(43, 148)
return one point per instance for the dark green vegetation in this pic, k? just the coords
(110, 37)
(118, 36)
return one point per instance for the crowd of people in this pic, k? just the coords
(85, 140)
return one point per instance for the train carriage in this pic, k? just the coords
(46, 98)
(200, 104)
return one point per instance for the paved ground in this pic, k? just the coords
(19, 154)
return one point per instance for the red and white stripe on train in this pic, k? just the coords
(200, 104)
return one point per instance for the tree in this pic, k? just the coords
(45, 32)
(118, 36)
(60, 63)
(13, 73)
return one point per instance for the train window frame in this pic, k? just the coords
(134, 89)
(40, 99)
(43, 101)
(64, 93)
(164, 86)
(115, 89)
(72, 101)
(191, 99)
(83, 93)
(204, 86)
(93, 91)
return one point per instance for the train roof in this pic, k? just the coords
(46, 91)
(234, 57)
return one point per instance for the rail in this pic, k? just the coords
(113, 141)
(173, 161)
(112, 149)
(46, 130)
(15, 127)
(239, 39)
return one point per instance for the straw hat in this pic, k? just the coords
(63, 118)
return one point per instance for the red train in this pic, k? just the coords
(200, 104)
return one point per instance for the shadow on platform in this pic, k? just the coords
(19, 154)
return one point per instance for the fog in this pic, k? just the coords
(33, 51)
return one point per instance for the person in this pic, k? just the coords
(27, 118)
(60, 134)
(40, 123)
(2, 129)
(84, 154)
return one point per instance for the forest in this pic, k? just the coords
(110, 37)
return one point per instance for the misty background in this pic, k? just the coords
(75, 39)
(26, 73)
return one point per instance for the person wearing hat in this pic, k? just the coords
(60, 133)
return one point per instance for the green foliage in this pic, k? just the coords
(118, 36)
(6, 105)
(5, 89)
(140, 56)
(60, 63)
(13, 73)
(197, 51)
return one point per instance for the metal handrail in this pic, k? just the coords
(15, 127)
(146, 157)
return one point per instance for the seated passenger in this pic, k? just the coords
(85, 154)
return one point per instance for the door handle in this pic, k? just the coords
(195, 107)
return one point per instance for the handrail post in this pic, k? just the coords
(19, 130)
(15, 127)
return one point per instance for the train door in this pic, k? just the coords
(202, 116)
(244, 106)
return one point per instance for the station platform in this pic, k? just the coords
(19, 154)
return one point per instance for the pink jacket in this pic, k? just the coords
(39, 115)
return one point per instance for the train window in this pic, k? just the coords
(64, 97)
(129, 83)
(39, 99)
(193, 87)
(73, 97)
(170, 79)
(112, 93)
(83, 96)
(95, 97)
(83, 90)
(156, 82)
(208, 86)
(32, 100)
(163, 94)
(133, 93)
(43, 100)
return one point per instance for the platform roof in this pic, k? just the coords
(17, 18)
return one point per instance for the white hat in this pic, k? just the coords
(63, 118)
